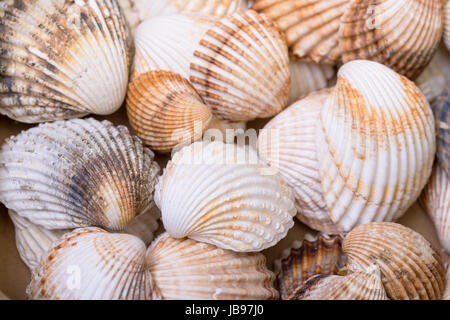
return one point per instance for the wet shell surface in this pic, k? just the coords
(410, 267)
(62, 59)
(89, 264)
(223, 194)
(435, 199)
(165, 111)
(241, 68)
(288, 144)
(447, 24)
(377, 145)
(321, 255)
(441, 109)
(187, 269)
(76, 173)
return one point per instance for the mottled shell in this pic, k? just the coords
(62, 59)
(441, 110)
(318, 256)
(76, 173)
(288, 144)
(432, 81)
(241, 68)
(165, 111)
(410, 267)
(222, 194)
(91, 264)
(187, 269)
(447, 287)
(435, 199)
(377, 145)
(447, 24)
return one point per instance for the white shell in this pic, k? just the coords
(377, 145)
(187, 269)
(222, 194)
(76, 173)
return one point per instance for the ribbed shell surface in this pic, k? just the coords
(222, 194)
(62, 59)
(241, 68)
(187, 269)
(76, 173)
(410, 267)
(447, 287)
(91, 264)
(441, 110)
(377, 145)
(165, 111)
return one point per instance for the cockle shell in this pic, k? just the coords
(90, 263)
(76, 173)
(441, 109)
(223, 194)
(187, 269)
(410, 267)
(241, 68)
(377, 145)
(447, 24)
(62, 59)
(435, 199)
(288, 144)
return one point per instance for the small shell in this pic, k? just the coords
(187, 269)
(241, 68)
(441, 109)
(90, 263)
(447, 24)
(145, 225)
(436, 202)
(447, 287)
(165, 111)
(410, 267)
(432, 81)
(320, 256)
(62, 59)
(288, 144)
(77, 173)
(377, 145)
(222, 194)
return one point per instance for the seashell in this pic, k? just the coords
(90, 263)
(165, 111)
(187, 269)
(435, 199)
(241, 68)
(321, 255)
(76, 173)
(447, 287)
(223, 194)
(432, 81)
(288, 144)
(410, 267)
(145, 225)
(441, 109)
(361, 156)
(446, 17)
(62, 59)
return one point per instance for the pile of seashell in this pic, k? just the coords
(351, 143)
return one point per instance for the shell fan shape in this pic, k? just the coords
(222, 194)
(77, 173)
(62, 59)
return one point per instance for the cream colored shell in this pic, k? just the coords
(222, 194)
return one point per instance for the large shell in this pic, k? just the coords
(377, 145)
(62, 59)
(435, 199)
(90, 263)
(222, 194)
(76, 173)
(441, 109)
(410, 267)
(165, 111)
(318, 256)
(288, 144)
(187, 269)
(241, 68)
(447, 24)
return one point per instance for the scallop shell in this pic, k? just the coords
(321, 255)
(447, 24)
(377, 145)
(90, 263)
(165, 111)
(432, 81)
(187, 269)
(77, 173)
(410, 267)
(62, 59)
(435, 199)
(441, 109)
(288, 144)
(241, 68)
(222, 194)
